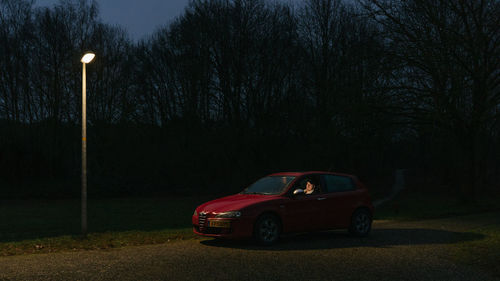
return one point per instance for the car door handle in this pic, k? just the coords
(321, 198)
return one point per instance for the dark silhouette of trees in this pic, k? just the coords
(16, 24)
(447, 74)
(234, 89)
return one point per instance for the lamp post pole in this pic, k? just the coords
(84, 152)
(88, 57)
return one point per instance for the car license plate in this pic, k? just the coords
(216, 223)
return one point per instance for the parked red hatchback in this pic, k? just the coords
(285, 203)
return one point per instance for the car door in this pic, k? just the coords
(340, 197)
(302, 212)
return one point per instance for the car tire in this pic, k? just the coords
(267, 230)
(361, 223)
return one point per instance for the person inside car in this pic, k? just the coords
(310, 187)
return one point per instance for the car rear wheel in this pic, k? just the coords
(361, 223)
(267, 229)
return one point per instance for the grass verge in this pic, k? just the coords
(414, 205)
(51, 226)
(94, 241)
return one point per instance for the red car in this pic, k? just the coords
(286, 203)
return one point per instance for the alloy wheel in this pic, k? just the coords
(361, 223)
(268, 230)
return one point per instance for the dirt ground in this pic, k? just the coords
(418, 250)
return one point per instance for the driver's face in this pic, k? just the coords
(309, 186)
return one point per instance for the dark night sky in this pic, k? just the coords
(139, 17)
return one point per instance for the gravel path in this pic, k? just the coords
(393, 251)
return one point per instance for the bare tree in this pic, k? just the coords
(15, 51)
(448, 53)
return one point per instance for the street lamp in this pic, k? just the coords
(87, 58)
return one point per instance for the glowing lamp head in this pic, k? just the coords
(88, 57)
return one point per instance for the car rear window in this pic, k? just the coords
(338, 183)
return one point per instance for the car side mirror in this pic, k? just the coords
(298, 191)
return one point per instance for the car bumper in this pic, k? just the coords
(240, 228)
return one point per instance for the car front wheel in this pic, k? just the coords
(361, 223)
(267, 229)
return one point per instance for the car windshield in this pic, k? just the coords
(269, 185)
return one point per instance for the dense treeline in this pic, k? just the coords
(235, 89)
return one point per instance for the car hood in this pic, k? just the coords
(234, 202)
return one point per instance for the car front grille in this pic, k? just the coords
(202, 219)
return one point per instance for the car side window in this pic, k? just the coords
(336, 183)
(302, 184)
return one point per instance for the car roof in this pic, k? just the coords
(298, 174)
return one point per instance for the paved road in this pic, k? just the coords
(394, 251)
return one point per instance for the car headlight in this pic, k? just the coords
(231, 214)
(195, 213)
